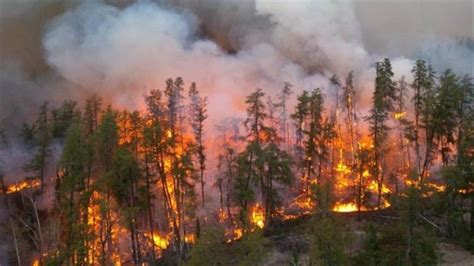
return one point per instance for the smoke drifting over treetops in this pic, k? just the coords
(122, 49)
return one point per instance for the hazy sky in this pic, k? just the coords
(400, 26)
(387, 26)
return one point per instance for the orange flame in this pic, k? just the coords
(258, 216)
(25, 184)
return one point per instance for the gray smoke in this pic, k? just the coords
(52, 50)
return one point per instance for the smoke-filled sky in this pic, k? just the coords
(52, 49)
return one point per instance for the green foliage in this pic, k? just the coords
(404, 242)
(63, 117)
(322, 196)
(388, 246)
(70, 193)
(73, 157)
(371, 253)
(313, 134)
(329, 241)
(107, 138)
(299, 117)
(382, 104)
(125, 177)
(452, 207)
(263, 163)
(210, 249)
(198, 116)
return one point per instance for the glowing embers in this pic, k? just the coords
(27, 183)
(303, 203)
(399, 115)
(190, 238)
(257, 221)
(234, 234)
(222, 216)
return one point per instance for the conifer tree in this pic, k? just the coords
(198, 116)
(465, 136)
(63, 117)
(70, 199)
(225, 181)
(283, 98)
(42, 136)
(348, 100)
(425, 104)
(383, 98)
(107, 142)
(300, 117)
(262, 161)
(404, 126)
(251, 160)
(314, 135)
(125, 185)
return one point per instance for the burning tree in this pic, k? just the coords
(126, 186)
(383, 98)
(262, 160)
(135, 173)
(422, 86)
(314, 134)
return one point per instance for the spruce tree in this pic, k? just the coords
(107, 143)
(198, 116)
(72, 199)
(125, 185)
(382, 104)
(300, 117)
(348, 101)
(42, 135)
(283, 98)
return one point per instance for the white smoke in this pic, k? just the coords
(319, 34)
(127, 52)
(228, 48)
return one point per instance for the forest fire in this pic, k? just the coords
(257, 216)
(345, 207)
(173, 168)
(233, 235)
(159, 240)
(263, 147)
(25, 184)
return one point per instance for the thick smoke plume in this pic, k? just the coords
(122, 49)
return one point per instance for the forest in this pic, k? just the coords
(315, 179)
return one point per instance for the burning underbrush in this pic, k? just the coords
(27, 183)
